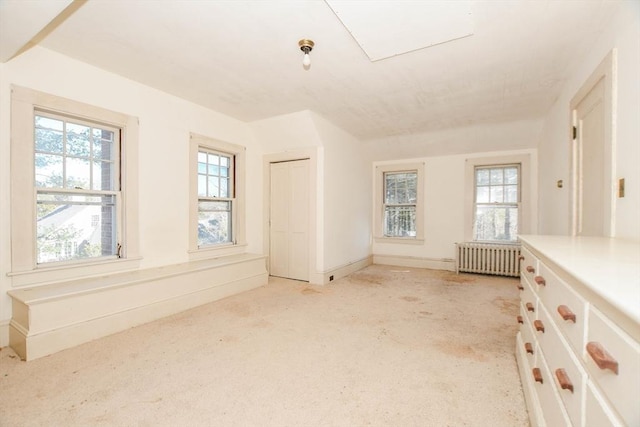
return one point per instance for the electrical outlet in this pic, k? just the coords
(330, 278)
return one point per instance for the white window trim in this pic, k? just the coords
(238, 225)
(528, 182)
(380, 170)
(517, 204)
(24, 268)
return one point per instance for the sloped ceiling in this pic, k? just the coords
(241, 58)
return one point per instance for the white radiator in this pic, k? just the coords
(485, 258)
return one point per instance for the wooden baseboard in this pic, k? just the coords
(4, 332)
(416, 262)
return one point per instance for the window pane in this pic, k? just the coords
(78, 140)
(213, 189)
(213, 159)
(511, 194)
(75, 226)
(401, 188)
(49, 123)
(496, 195)
(202, 185)
(224, 161)
(511, 175)
(102, 174)
(48, 170)
(49, 141)
(496, 223)
(482, 195)
(496, 176)
(202, 157)
(202, 167)
(214, 170)
(102, 149)
(224, 171)
(400, 221)
(224, 187)
(482, 177)
(77, 173)
(214, 222)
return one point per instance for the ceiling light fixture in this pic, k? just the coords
(306, 46)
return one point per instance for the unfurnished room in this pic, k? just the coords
(320, 213)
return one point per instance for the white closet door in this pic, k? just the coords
(289, 215)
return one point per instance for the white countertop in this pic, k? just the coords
(609, 267)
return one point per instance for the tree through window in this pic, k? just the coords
(497, 196)
(77, 188)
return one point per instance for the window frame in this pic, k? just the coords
(237, 153)
(527, 159)
(379, 203)
(517, 204)
(25, 104)
(116, 191)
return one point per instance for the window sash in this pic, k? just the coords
(215, 225)
(494, 219)
(77, 178)
(399, 215)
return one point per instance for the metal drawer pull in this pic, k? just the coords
(602, 358)
(563, 379)
(540, 280)
(520, 319)
(521, 258)
(566, 313)
(537, 375)
(528, 347)
(530, 307)
(530, 269)
(520, 287)
(539, 325)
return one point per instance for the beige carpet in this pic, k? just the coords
(387, 346)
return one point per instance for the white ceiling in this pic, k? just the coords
(241, 58)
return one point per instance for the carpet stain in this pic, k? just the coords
(366, 279)
(261, 324)
(309, 291)
(241, 310)
(460, 350)
(506, 306)
(410, 299)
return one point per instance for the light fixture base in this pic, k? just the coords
(306, 45)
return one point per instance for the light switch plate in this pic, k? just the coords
(621, 188)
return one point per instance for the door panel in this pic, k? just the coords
(592, 192)
(289, 215)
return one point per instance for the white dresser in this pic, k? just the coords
(578, 345)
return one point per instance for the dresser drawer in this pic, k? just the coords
(566, 371)
(566, 308)
(529, 302)
(620, 388)
(550, 402)
(598, 413)
(528, 264)
(529, 342)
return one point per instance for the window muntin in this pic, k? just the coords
(76, 165)
(497, 197)
(216, 197)
(400, 203)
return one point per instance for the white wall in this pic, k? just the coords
(622, 33)
(343, 185)
(446, 198)
(347, 196)
(480, 138)
(165, 124)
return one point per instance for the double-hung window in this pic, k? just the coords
(399, 201)
(74, 189)
(497, 199)
(216, 197)
(77, 183)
